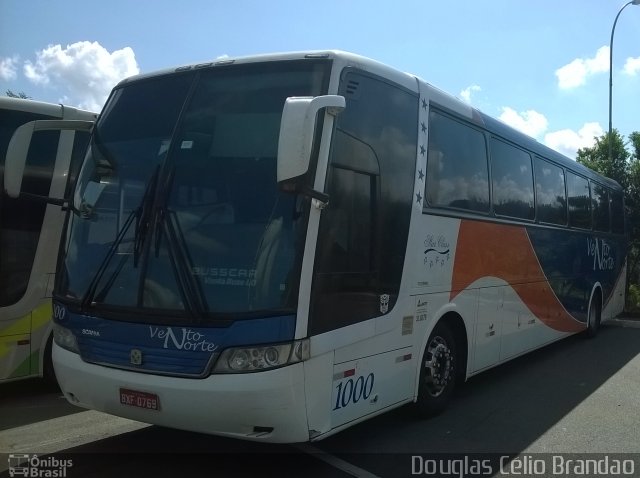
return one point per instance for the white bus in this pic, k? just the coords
(29, 236)
(278, 247)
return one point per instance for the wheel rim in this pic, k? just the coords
(438, 366)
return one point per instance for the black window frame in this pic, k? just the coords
(490, 135)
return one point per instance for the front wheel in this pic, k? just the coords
(48, 372)
(438, 371)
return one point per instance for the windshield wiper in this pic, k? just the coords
(142, 215)
(167, 225)
(87, 299)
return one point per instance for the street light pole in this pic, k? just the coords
(610, 139)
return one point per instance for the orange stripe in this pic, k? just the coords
(496, 250)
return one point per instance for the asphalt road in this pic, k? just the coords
(577, 396)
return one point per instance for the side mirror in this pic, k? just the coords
(18, 149)
(297, 127)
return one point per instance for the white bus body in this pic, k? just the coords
(414, 266)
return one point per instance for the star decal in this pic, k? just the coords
(420, 175)
(422, 150)
(424, 104)
(418, 198)
(423, 127)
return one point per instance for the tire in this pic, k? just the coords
(595, 315)
(48, 372)
(438, 371)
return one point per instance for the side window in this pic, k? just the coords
(550, 193)
(346, 245)
(512, 180)
(363, 232)
(457, 173)
(579, 201)
(80, 143)
(617, 213)
(21, 219)
(600, 201)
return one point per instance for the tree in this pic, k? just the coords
(633, 203)
(624, 167)
(597, 158)
(21, 94)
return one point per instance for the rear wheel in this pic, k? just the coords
(438, 371)
(595, 314)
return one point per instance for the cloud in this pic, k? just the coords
(8, 68)
(529, 122)
(567, 141)
(85, 71)
(576, 73)
(632, 66)
(467, 92)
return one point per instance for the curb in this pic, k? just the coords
(633, 323)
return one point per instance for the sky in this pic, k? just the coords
(541, 66)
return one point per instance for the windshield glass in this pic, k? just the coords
(177, 207)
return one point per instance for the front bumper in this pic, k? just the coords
(263, 406)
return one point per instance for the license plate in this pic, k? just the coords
(135, 398)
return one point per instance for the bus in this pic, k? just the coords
(29, 236)
(277, 247)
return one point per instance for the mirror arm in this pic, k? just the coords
(321, 198)
(295, 188)
(65, 204)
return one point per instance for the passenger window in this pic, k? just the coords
(600, 201)
(617, 213)
(512, 180)
(579, 201)
(550, 193)
(457, 172)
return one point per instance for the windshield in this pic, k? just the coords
(177, 207)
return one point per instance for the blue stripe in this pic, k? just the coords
(574, 261)
(173, 350)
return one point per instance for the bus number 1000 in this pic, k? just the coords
(352, 391)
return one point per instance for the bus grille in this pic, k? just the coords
(145, 359)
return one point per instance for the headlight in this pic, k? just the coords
(65, 338)
(264, 357)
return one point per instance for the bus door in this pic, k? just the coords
(361, 246)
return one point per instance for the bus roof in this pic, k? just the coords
(405, 79)
(350, 58)
(38, 107)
